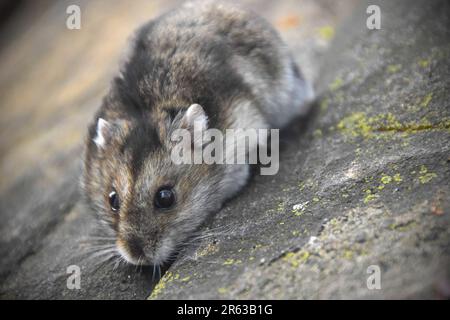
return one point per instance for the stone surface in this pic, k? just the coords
(367, 171)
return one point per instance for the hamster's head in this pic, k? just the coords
(149, 206)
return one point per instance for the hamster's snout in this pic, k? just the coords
(136, 251)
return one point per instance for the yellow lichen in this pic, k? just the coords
(426, 176)
(385, 179)
(336, 84)
(358, 124)
(424, 63)
(326, 32)
(393, 68)
(298, 212)
(405, 226)
(296, 258)
(257, 246)
(426, 100)
(397, 178)
(348, 254)
(161, 285)
(222, 290)
(299, 209)
(324, 105)
(230, 261)
(369, 196)
(309, 183)
(317, 133)
(209, 249)
(280, 207)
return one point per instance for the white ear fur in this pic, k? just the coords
(196, 121)
(102, 129)
(196, 115)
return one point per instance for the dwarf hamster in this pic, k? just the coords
(209, 62)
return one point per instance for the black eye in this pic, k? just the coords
(165, 198)
(114, 201)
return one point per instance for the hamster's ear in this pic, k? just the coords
(103, 133)
(195, 118)
(195, 121)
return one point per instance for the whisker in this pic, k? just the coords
(153, 273)
(159, 272)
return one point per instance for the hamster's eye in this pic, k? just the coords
(114, 201)
(164, 198)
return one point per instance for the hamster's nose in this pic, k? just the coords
(135, 245)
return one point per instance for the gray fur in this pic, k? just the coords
(229, 61)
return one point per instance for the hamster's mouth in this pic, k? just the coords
(137, 257)
(128, 258)
(125, 253)
(133, 253)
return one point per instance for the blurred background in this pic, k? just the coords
(369, 85)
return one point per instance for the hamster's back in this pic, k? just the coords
(209, 52)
